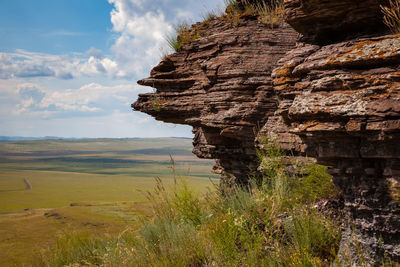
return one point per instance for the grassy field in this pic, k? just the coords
(95, 186)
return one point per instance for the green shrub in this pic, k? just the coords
(157, 102)
(310, 232)
(268, 12)
(183, 35)
(187, 204)
(173, 42)
(169, 243)
(267, 223)
(80, 249)
(314, 184)
(232, 7)
(211, 15)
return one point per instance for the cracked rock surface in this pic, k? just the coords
(343, 101)
(221, 85)
(334, 96)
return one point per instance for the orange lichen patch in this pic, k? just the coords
(283, 87)
(368, 49)
(379, 54)
(285, 70)
(283, 80)
(353, 126)
(350, 51)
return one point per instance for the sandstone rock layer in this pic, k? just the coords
(324, 21)
(343, 101)
(335, 97)
(221, 85)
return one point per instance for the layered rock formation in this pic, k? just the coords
(335, 97)
(221, 85)
(343, 101)
(326, 21)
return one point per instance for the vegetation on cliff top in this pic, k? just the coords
(267, 12)
(392, 15)
(271, 222)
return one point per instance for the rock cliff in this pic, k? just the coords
(334, 96)
(221, 85)
(343, 100)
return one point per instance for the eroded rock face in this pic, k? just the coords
(221, 85)
(324, 21)
(343, 101)
(335, 98)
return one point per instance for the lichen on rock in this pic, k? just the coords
(221, 85)
(333, 96)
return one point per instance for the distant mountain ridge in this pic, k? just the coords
(24, 138)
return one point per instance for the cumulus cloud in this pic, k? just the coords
(25, 64)
(91, 98)
(140, 27)
(140, 43)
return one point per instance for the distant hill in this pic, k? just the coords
(23, 138)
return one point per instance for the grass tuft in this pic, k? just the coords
(267, 12)
(183, 35)
(267, 223)
(392, 15)
(270, 14)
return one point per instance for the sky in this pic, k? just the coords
(68, 68)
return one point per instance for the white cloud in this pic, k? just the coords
(111, 124)
(90, 98)
(25, 64)
(141, 37)
(141, 27)
(45, 94)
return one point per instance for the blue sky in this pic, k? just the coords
(69, 68)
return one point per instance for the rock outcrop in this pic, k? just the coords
(343, 101)
(335, 97)
(326, 21)
(221, 85)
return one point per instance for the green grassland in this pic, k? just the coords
(95, 186)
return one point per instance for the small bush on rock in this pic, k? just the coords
(392, 15)
(270, 222)
(182, 35)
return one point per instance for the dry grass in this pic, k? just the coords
(268, 12)
(263, 224)
(392, 15)
(23, 235)
(183, 34)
